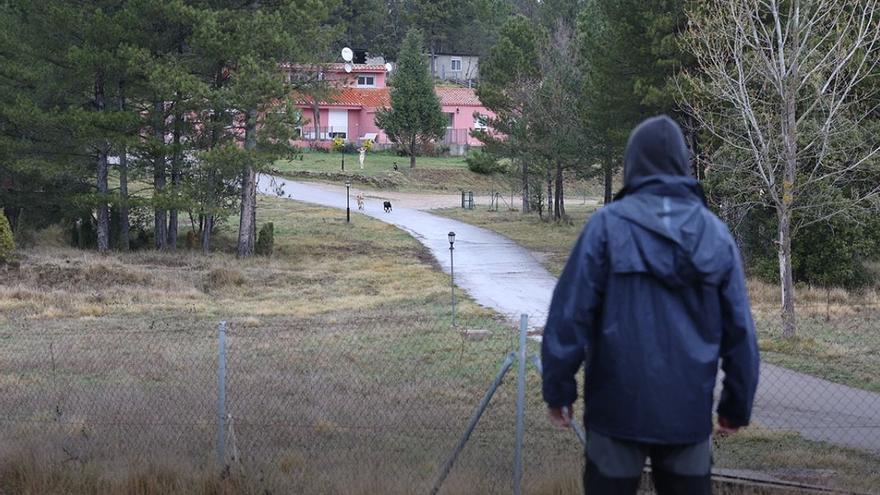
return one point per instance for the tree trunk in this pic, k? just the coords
(785, 276)
(248, 191)
(789, 137)
(549, 193)
(160, 220)
(609, 176)
(412, 152)
(206, 233)
(124, 222)
(102, 166)
(693, 144)
(560, 201)
(316, 112)
(433, 59)
(525, 187)
(176, 160)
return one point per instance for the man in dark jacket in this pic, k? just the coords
(651, 299)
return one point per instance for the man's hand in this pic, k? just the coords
(560, 416)
(725, 428)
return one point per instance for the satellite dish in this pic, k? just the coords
(388, 67)
(348, 67)
(347, 54)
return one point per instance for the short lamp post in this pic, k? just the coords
(347, 202)
(451, 238)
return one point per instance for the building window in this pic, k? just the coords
(478, 124)
(450, 120)
(455, 64)
(366, 81)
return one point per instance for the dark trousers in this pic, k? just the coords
(614, 467)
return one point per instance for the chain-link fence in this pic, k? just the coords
(373, 403)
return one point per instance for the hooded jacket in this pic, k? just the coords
(652, 297)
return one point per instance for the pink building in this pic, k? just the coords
(351, 113)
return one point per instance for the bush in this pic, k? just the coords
(223, 277)
(338, 144)
(7, 243)
(826, 254)
(483, 163)
(368, 144)
(84, 235)
(192, 240)
(266, 240)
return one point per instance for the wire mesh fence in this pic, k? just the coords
(375, 402)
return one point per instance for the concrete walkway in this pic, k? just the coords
(500, 274)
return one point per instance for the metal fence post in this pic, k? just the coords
(221, 394)
(520, 406)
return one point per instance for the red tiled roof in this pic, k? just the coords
(381, 97)
(354, 97)
(367, 97)
(458, 96)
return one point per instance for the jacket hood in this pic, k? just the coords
(656, 147)
(671, 234)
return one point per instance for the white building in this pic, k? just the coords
(456, 67)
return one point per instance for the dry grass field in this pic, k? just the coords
(343, 375)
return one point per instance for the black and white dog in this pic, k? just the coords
(387, 207)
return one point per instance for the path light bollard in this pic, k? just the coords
(451, 237)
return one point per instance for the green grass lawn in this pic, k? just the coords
(431, 173)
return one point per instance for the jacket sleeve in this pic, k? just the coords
(739, 348)
(574, 314)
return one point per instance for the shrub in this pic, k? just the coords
(338, 144)
(7, 243)
(192, 240)
(266, 240)
(826, 254)
(483, 163)
(223, 277)
(368, 144)
(83, 234)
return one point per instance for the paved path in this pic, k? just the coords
(500, 274)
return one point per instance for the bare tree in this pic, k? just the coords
(785, 87)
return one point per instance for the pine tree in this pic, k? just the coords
(629, 55)
(509, 77)
(415, 117)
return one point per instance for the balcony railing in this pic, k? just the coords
(324, 133)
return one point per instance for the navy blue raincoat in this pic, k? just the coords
(651, 298)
